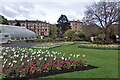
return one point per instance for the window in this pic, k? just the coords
(45, 29)
(42, 33)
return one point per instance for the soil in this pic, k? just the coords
(53, 72)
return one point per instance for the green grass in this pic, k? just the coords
(105, 60)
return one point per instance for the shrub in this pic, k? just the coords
(82, 36)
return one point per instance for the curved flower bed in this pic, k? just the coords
(46, 45)
(22, 62)
(66, 43)
(100, 46)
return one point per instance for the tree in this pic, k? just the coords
(82, 35)
(63, 25)
(53, 31)
(70, 33)
(91, 30)
(103, 14)
(3, 20)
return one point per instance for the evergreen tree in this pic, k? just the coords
(63, 25)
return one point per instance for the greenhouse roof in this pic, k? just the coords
(15, 31)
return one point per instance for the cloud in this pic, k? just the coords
(43, 10)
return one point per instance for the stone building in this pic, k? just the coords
(39, 27)
(76, 25)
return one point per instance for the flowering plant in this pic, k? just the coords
(46, 45)
(66, 43)
(19, 62)
(100, 46)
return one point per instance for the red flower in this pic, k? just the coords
(21, 65)
(55, 62)
(62, 62)
(23, 70)
(59, 65)
(46, 66)
(78, 63)
(68, 63)
(38, 70)
(31, 69)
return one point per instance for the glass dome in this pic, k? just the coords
(17, 32)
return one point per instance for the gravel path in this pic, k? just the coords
(20, 44)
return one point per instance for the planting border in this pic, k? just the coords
(102, 48)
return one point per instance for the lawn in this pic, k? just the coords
(105, 60)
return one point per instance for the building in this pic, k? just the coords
(8, 32)
(39, 27)
(76, 25)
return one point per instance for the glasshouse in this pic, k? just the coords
(8, 32)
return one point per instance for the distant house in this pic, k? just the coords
(39, 27)
(76, 25)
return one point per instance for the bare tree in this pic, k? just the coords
(103, 14)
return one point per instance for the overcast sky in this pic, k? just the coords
(49, 10)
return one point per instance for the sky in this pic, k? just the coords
(44, 10)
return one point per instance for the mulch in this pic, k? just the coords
(53, 72)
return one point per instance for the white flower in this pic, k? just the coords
(9, 63)
(22, 56)
(22, 63)
(78, 55)
(69, 57)
(1, 57)
(4, 62)
(42, 52)
(25, 56)
(27, 60)
(4, 53)
(4, 59)
(74, 55)
(45, 59)
(83, 56)
(17, 55)
(54, 53)
(14, 61)
(51, 55)
(70, 54)
(21, 59)
(46, 55)
(62, 58)
(11, 57)
(39, 58)
(65, 59)
(3, 65)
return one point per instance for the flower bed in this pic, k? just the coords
(66, 43)
(100, 46)
(46, 45)
(23, 62)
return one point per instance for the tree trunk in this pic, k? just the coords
(107, 36)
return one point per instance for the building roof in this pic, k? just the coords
(15, 31)
(76, 21)
(29, 21)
